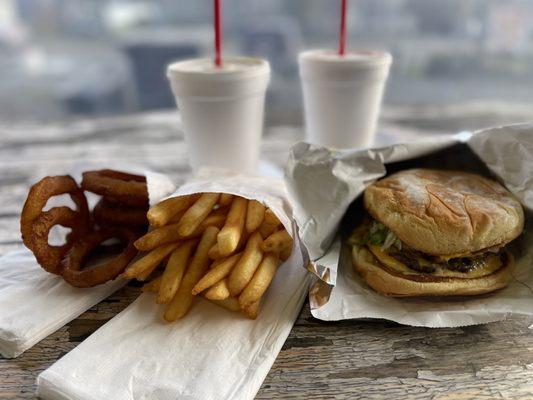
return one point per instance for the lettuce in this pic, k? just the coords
(376, 234)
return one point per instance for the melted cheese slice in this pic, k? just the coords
(492, 264)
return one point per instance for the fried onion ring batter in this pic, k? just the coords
(35, 224)
(111, 214)
(117, 186)
(73, 262)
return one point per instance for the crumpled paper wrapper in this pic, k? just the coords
(325, 187)
(211, 353)
(35, 303)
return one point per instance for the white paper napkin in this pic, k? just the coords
(323, 183)
(34, 303)
(209, 354)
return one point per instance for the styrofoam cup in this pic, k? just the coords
(221, 109)
(342, 96)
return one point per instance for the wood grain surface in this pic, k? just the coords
(339, 360)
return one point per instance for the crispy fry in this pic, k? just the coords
(285, 253)
(229, 236)
(271, 218)
(216, 213)
(217, 218)
(162, 213)
(260, 281)
(147, 274)
(252, 310)
(219, 291)
(182, 301)
(216, 273)
(270, 224)
(276, 242)
(231, 303)
(176, 265)
(254, 216)
(176, 218)
(149, 262)
(267, 229)
(225, 199)
(246, 266)
(244, 240)
(197, 213)
(214, 253)
(214, 263)
(157, 237)
(153, 285)
(169, 233)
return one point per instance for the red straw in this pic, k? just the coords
(218, 34)
(342, 33)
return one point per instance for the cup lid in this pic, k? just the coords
(351, 59)
(233, 68)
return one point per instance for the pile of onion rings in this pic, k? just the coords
(120, 214)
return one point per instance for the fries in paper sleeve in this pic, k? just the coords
(219, 246)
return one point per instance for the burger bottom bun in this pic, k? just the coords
(390, 284)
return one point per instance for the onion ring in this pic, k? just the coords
(117, 186)
(48, 256)
(73, 261)
(112, 214)
(35, 224)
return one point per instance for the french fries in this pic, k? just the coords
(174, 271)
(216, 218)
(254, 216)
(260, 281)
(271, 218)
(247, 264)
(214, 253)
(230, 235)
(163, 212)
(169, 233)
(225, 199)
(147, 264)
(285, 253)
(252, 310)
(157, 237)
(277, 242)
(217, 273)
(182, 301)
(194, 216)
(231, 303)
(221, 246)
(270, 224)
(219, 291)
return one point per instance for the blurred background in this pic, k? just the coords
(64, 59)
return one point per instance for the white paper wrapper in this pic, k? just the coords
(211, 353)
(322, 184)
(34, 303)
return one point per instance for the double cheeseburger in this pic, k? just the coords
(436, 233)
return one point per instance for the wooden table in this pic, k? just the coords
(342, 360)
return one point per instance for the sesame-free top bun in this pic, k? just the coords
(393, 284)
(445, 212)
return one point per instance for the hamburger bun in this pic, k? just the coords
(445, 212)
(392, 283)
